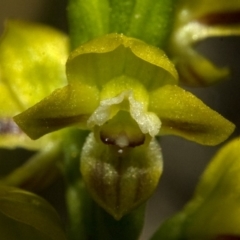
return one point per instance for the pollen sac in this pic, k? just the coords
(120, 178)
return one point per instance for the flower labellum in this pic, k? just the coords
(120, 179)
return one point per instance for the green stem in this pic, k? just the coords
(87, 20)
(148, 20)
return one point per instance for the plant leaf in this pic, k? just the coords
(24, 215)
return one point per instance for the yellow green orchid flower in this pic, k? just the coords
(194, 22)
(119, 85)
(126, 92)
(213, 212)
(105, 103)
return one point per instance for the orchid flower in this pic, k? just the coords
(119, 85)
(126, 92)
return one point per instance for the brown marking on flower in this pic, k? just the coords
(192, 78)
(195, 78)
(97, 179)
(190, 128)
(101, 186)
(60, 122)
(198, 78)
(8, 126)
(140, 188)
(227, 237)
(221, 18)
(119, 169)
(38, 126)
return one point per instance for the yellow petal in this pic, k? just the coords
(114, 55)
(68, 106)
(182, 114)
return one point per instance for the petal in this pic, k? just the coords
(195, 21)
(182, 114)
(114, 55)
(71, 105)
(216, 201)
(28, 51)
(120, 180)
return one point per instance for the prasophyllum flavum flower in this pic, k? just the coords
(213, 212)
(126, 92)
(196, 21)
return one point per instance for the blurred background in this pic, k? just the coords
(183, 161)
